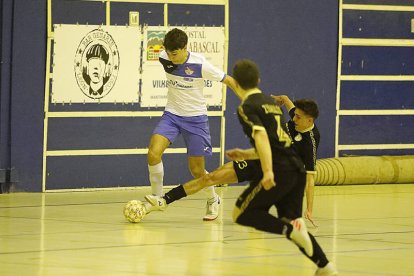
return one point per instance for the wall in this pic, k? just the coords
(22, 85)
(294, 43)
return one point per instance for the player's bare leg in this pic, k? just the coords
(223, 175)
(158, 144)
(196, 166)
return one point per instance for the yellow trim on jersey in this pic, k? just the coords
(244, 117)
(251, 92)
(308, 129)
(250, 197)
(255, 127)
(251, 124)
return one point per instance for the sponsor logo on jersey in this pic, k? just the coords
(189, 71)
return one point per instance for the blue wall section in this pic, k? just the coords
(27, 92)
(294, 42)
(376, 130)
(377, 95)
(357, 60)
(111, 133)
(381, 2)
(374, 49)
(377, 24)
(5, 82)
(295, 45)
(69, 172)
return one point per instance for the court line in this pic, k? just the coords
(197, 242)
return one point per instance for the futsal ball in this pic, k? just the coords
(134, 211)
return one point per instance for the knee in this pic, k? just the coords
(197, 171)
(153, 157)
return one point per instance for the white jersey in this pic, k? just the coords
(185, 84)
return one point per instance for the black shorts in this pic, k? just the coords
(287, 196)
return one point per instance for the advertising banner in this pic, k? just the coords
(96, 64)
(209, 41)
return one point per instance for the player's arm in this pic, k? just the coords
(283, 100)
(230, 82)
(265, 154)
(211, 72)
(310, 184)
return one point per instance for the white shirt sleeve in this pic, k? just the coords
(210, 72)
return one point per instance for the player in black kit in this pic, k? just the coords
(275, 172)
(305, 137)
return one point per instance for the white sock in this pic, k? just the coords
(210, 192)
(156, 176)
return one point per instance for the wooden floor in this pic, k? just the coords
(364, 229)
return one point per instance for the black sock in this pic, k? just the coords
(262, 220)
(174, 194)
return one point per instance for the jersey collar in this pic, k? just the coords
(308, 129)
(251, 92)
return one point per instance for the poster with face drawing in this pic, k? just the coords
(209, 41)
(96, 64)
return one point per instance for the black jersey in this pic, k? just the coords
(304, 143)
(259, 111)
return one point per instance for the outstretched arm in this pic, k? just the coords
(283, 100)
(230, 82)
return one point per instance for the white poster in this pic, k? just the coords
(208, 41)
(93, 64)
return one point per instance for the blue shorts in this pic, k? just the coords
(195, 131)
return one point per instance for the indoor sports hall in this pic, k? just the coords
(73, 152)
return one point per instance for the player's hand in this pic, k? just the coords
(280, 100)
(235, 154)
(268, 181)
(308, 216)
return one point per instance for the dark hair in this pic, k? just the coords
(246, 73)
(309, 107)
(175, 39)
(97, 51)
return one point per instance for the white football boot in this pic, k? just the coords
(212, 208)
(300, 236)
(328, 270)
(158, 203)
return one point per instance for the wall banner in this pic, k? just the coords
(93, 64)
(208, 41)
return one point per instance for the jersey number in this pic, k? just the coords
(283, 136)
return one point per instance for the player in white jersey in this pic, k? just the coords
(185, 113)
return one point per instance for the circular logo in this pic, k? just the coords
(96, 64)
(298, 137)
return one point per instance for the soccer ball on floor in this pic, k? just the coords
(134, 211)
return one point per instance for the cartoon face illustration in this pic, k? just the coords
(96, 64)
(96, 69)
(97, 58)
